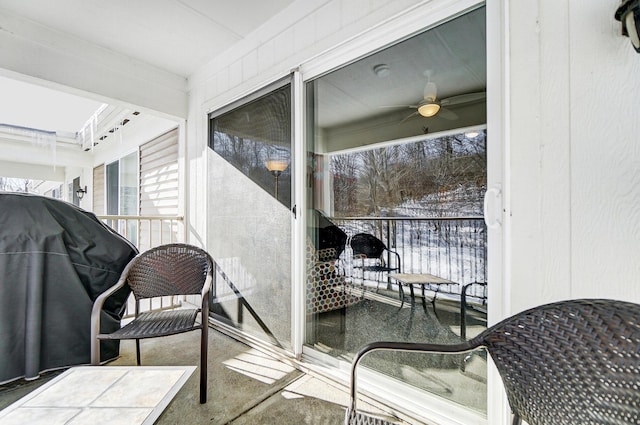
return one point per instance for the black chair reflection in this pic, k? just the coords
(369, 256)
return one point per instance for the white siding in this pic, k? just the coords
(98, 190)
(575, 211)
(159, 187)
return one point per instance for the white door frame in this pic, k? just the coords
(414, 20)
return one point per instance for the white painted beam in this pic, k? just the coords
(40, 53)
(20, 151)
(31, 171)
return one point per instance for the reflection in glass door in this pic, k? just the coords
(250, 218)
(396, 241)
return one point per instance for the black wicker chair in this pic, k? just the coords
(366, 246)
(174, 269)
(570, 362)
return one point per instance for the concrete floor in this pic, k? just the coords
(245, 386)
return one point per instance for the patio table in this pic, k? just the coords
(422, 279)
(97, 395)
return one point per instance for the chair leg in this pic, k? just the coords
(204, 347)
(516, 419)
(138, 352)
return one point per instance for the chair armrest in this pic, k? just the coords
(397, 260)
(402, 346)
(95, 317)
(206, 288)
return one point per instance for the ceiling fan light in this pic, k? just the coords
(428, 109)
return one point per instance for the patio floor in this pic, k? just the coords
(245, 386)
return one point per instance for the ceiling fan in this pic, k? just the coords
(430, 106)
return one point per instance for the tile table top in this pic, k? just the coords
(97, 395)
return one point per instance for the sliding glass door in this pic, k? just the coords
(250, 219)
(396, 243)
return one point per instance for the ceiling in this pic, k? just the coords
(178, 36)
(27, 105)
(175, 35)
(453, 54)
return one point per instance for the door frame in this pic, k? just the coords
(415, 20)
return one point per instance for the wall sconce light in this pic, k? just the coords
(629, 14)
(80, 192)
(276, 167)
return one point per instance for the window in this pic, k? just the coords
(122, 193)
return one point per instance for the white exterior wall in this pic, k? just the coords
(574, 154)
(138, 131)
(302, 31)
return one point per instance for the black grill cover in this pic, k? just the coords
(55, 259)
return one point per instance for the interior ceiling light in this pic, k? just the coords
(428, 108)
(382, 70)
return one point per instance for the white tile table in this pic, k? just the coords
(422, 279)
(97, 395)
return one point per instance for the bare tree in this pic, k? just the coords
(345, 183)
(446, 176)
(382, 171)
(8, 184)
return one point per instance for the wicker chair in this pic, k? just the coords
(174, 269)
(570, 362)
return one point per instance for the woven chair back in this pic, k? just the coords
(174, 269)
(573, 362)
(367, 245)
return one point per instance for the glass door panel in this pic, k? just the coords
(250, 218)
(396, 241)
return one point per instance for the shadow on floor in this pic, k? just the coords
(245, 386)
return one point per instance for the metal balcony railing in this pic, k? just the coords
(454, 248)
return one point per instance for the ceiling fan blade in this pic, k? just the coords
(463, 98)
(408, 117)
(447, 114)
(398, 106)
